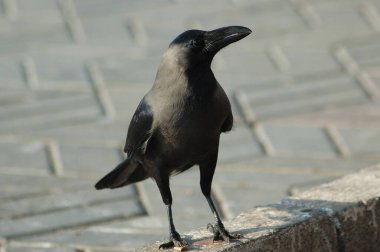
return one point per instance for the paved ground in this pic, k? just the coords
(305, 87)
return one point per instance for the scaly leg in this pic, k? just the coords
(174, 238)
(207, 169)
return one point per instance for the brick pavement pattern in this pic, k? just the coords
(305, 88)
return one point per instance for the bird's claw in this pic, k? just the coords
(220, 233)
(175, 241)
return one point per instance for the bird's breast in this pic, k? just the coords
(190, 121)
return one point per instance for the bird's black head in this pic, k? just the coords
(197, 46)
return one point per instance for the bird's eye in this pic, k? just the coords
(196, 43)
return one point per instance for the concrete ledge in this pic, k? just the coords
(341, 216)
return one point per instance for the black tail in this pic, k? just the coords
(118, 176)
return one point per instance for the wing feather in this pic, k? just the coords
(139, 130)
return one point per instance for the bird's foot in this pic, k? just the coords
(175, 241)
(220, 233)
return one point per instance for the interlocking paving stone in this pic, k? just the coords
(24, 185)
(86, 160)
(244, 189)
(26, 7)
(362, 141)
(123, 70)
(302, 164)
(68, 69)
(237, 145)
(58, 201)
(48, 109)
(69, 218)
(126, 100)
(308, 59)
(361, 115)
(249, 15)
(31, 249)
(304, 95)
(10, 73)
(23, 155)
(107, 31)
(117, 239)
(103, 133)
(51, 30)
(300, 140)
(122, 234)
(99, 8)
(234, 74)
(12, 96)
(364, 51)
(337, 15)
(307, 67)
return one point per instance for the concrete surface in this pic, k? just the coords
(304, 88)
(342, 215)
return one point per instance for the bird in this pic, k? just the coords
(178, 123)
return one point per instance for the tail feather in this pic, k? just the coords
(118, 176)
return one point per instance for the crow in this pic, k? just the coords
(179, 121)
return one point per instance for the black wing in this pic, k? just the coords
(140, 130)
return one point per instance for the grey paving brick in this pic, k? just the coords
(250, 15)
(88, 133)
(31, 249)
(69, 218)
(107, 31)
(87, 159)
(119, 241)
(125, 235)
(37, 6)
(61, 200)
(300, 140)
(304, 95)
(366, 56)
(362, 141)
(50, 30)
(13, 96)
(10, 73)
(329, 167)
(365, 50)
(18, 186)
(233, 74)
(142, 224)
(360, 115)
(244, 190)
(66, 69)
(126, 99)
(99, 8)
(124, 71)
(237, 145)
(375, 74)
(24, 155)
(309, 59)
(48, 109)
(338, 15)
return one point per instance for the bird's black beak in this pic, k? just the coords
(222, 37)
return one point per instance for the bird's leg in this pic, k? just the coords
(175, 239)
(207, 169)
(220, 233)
